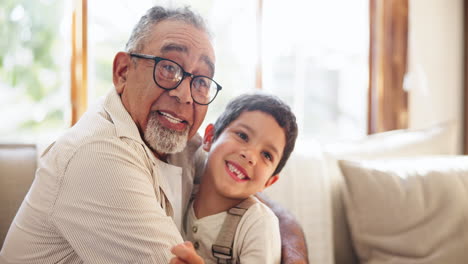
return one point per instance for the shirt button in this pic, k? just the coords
(194, 229)
(196, 245)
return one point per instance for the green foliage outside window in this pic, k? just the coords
(33, 97)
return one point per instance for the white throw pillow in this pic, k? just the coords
(412, 210)
(435, 140)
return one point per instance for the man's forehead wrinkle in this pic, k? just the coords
(183, 34)
(174, 46)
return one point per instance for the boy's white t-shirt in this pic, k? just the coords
(257, 238)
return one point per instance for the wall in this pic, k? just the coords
(435, 77)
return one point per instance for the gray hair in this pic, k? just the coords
(156, 14)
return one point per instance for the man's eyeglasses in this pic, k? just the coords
(168, 75)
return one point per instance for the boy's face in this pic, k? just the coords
(245, 155)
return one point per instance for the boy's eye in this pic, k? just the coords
(242, 135)
(267, 155)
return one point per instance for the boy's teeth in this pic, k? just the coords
(171, 118)
(236, 171)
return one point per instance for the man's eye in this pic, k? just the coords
(169, 68)
(200, 83)
(267, 155)
(242, 135)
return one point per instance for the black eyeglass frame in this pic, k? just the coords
(184, 74)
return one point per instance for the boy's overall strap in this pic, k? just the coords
(222, 248)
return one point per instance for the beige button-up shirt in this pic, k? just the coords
(100, 196)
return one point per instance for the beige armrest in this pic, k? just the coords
(17, 168)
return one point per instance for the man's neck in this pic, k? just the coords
(160, 156)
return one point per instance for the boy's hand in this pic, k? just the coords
(185, 254)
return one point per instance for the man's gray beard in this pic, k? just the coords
(163, 140)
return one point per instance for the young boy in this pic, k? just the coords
(247, 147)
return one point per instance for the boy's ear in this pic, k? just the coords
(208, 138)
(271, 180)
(120, 70)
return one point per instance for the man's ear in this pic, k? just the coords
(271, 180)
(208, 137)
(120, 67)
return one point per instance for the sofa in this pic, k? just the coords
(381, 199)
(393, 197)
(18, 164)
(407, 210)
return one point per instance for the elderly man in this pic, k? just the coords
(113, 188)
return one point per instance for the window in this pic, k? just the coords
(315, 56)
(34, 58)
(234, 41)
(311, 54)
(322, 72)
(108, 33)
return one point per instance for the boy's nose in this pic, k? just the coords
(249, 157)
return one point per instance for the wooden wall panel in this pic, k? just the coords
(388, 102)
(465, 78)
(79, 60)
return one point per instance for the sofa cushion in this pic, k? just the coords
(412, 210)
(439, 138)
(435, 140)
(17, 168)
(302, 189)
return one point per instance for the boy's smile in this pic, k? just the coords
(236, 171)
(241, 161)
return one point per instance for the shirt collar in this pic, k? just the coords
(124, 124)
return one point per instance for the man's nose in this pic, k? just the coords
(182, 92)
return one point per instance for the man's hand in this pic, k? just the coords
(185, 254)
(293, 244)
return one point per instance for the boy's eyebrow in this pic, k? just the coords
(269, 146)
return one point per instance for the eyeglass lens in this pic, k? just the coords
(169, 75)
